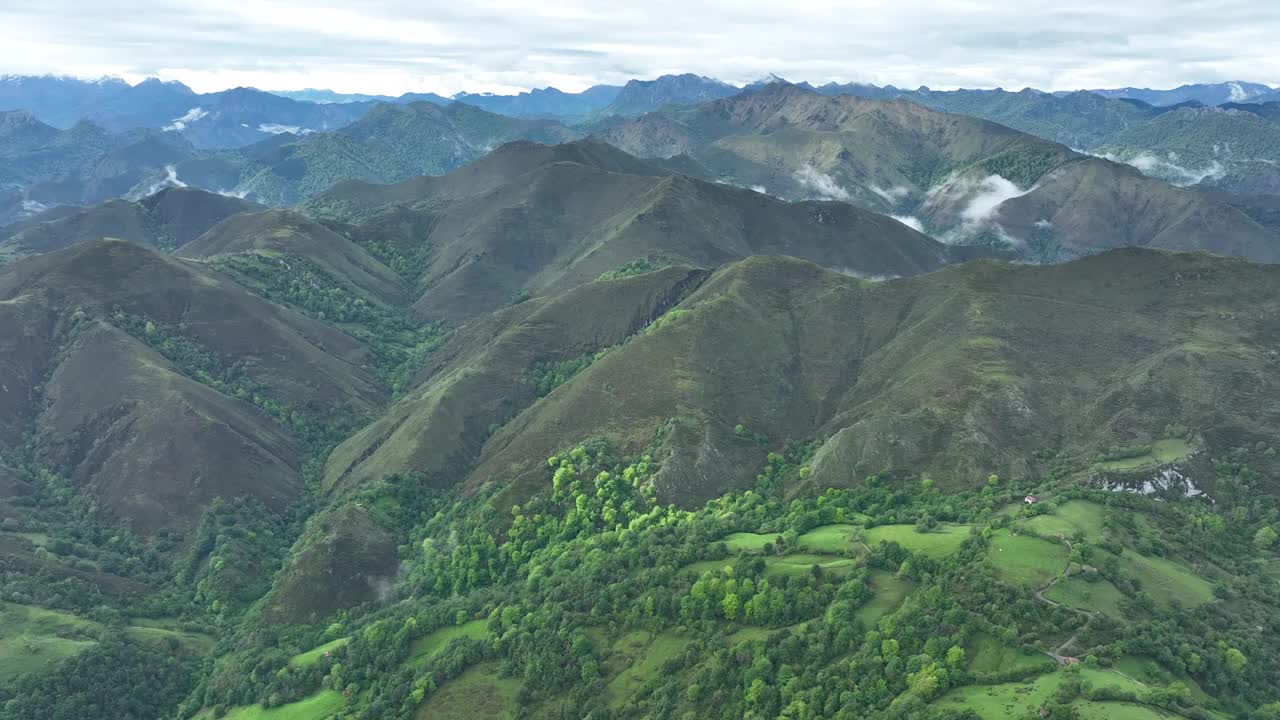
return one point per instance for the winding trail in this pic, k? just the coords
(1058, 653)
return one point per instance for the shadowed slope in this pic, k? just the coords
(485, 375)
(152, 440)
(168, 219)
(283, 232)
(584, 209)
(962, 372)
(155, 446)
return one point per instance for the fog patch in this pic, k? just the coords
(1168, 169)
(872, 277)
(910, 221)
(1176, 174)
(893, 196)
(181, 123)
(33, 207)
(278, 129)
(989, 193)
(1043, 224)
(760, 189)
(169, 180)
(820, 183)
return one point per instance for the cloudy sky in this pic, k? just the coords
(392, 46)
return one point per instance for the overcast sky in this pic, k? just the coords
(393, 46)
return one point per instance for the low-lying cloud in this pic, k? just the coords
(975, 203)
(169, 180)
(278, 129)
(892, 195)
(910, 221)
(822, 185)
(990, 192)
(181, 123)
(1171, 171)
(874, 277)
(33, 207)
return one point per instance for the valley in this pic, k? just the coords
(660, 400)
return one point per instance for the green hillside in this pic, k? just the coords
(1229, 149)
(563, 433)
(167, 219)
(962, 179)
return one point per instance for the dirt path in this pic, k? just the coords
(1058, 653)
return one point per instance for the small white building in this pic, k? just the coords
(1031, 499)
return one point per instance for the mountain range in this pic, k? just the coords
(668, 400)
(44, 167)
(226, 119)
(965, 180)
(1204, 93)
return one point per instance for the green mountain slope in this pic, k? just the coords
(391, 143)
(155, 438)
(578, 212)
(955, 176)
(1229, 149)
(568, 433)
(284, 233)
(167, 219)
(960, 372)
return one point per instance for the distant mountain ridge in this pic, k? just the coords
(545, 103)
(41, 166)
(230, 118)
(1207, 93)
(964, 179)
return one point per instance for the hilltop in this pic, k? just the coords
(167, 219)
(529, 220)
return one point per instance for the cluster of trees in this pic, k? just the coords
(117, 678)
(1023, 166)
(398, 341)
(594, 556)
(319, 427)
(230, 563)
(548, 376)
(79, 543)
(744, 592)
(636, 267)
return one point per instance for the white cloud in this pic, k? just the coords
(874, 277)
(277, 129)
(760, 189)
(820, 184)
(32, 207)
(392, 46)
(989, 193)
(181, 123)
(910, 221)
(892, 196)
(1175, 173)
(1169, 170)
(170, 179)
